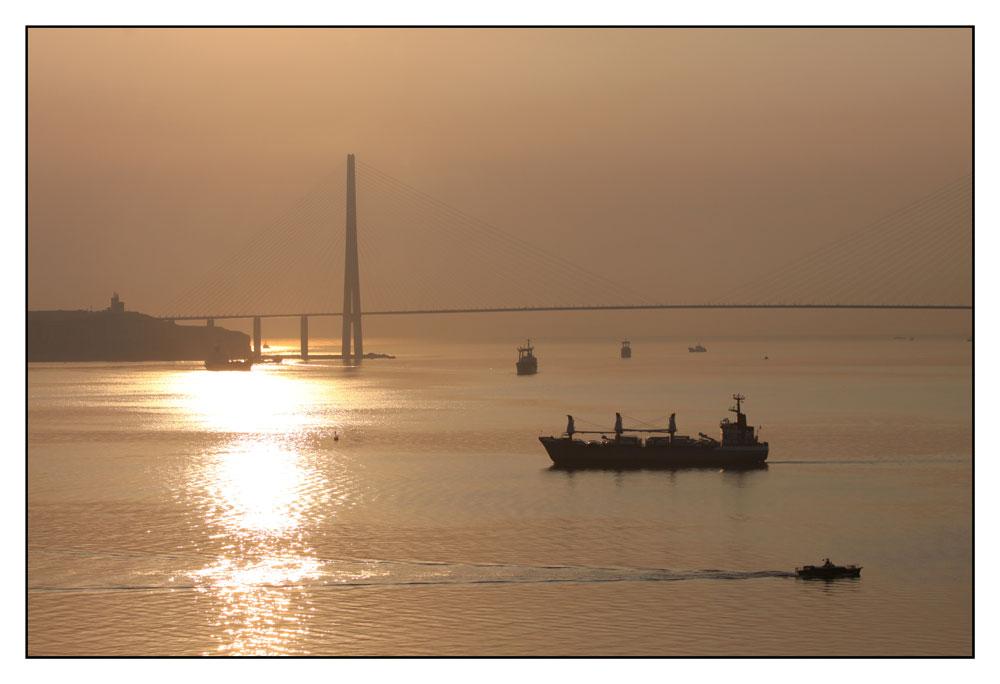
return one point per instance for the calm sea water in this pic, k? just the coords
(405, 507)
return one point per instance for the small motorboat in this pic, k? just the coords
(828, 570)
(697, 348)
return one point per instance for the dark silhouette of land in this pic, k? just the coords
(118, 335)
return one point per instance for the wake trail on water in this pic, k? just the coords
(328, 573)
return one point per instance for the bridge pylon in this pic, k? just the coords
(352, 284)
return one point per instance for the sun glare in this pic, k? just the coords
(255, 401)
(259, 496)
(260, 488)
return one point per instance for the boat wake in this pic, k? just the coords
(386, 573)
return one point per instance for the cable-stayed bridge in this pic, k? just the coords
(417, 255)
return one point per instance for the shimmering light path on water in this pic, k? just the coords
(406, 507)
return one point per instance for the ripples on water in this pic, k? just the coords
(405, 507)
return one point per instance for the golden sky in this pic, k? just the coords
(663, 158)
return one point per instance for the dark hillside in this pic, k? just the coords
(125, 336)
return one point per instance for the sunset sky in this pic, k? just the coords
(668, 160)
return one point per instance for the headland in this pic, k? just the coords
(118, 335)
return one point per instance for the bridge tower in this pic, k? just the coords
(352, 285)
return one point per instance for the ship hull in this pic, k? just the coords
(229, 365)
(527, 368)
(819, 572)
(576, 454)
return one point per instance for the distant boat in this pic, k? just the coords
(765, 358)
(697, 348)
(265, 346)
(229, 364)
(527, 364)
(828, 570)
(626, 350)
(219, 361)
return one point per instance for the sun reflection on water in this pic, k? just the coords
(260, 495)
(259, 498)
(261, 489)
(256, 401)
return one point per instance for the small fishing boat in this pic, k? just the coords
(697, 348)
(626, 349)
(828, 570)
(527, 364)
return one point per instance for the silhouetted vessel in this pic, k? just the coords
(739, 447)
(527, 364)
(229, 364)
(828, 570)
(697, 348)
(218, 361)
(626, 350)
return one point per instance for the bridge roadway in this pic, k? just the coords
(304, 317)
(610, 307)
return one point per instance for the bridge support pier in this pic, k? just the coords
(304, 336)
(256, 338)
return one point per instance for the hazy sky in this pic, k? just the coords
(663, 158)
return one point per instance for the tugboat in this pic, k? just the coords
(527, 364)
(739, 447)
(626, 350)
(697, 348)
(828, 570)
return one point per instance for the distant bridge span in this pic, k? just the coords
(352, 314)
(609, 307)
(355, 316)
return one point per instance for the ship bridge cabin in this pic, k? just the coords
(738, 433)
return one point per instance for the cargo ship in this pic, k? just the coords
(737, 447)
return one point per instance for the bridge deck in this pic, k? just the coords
(623, 307)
